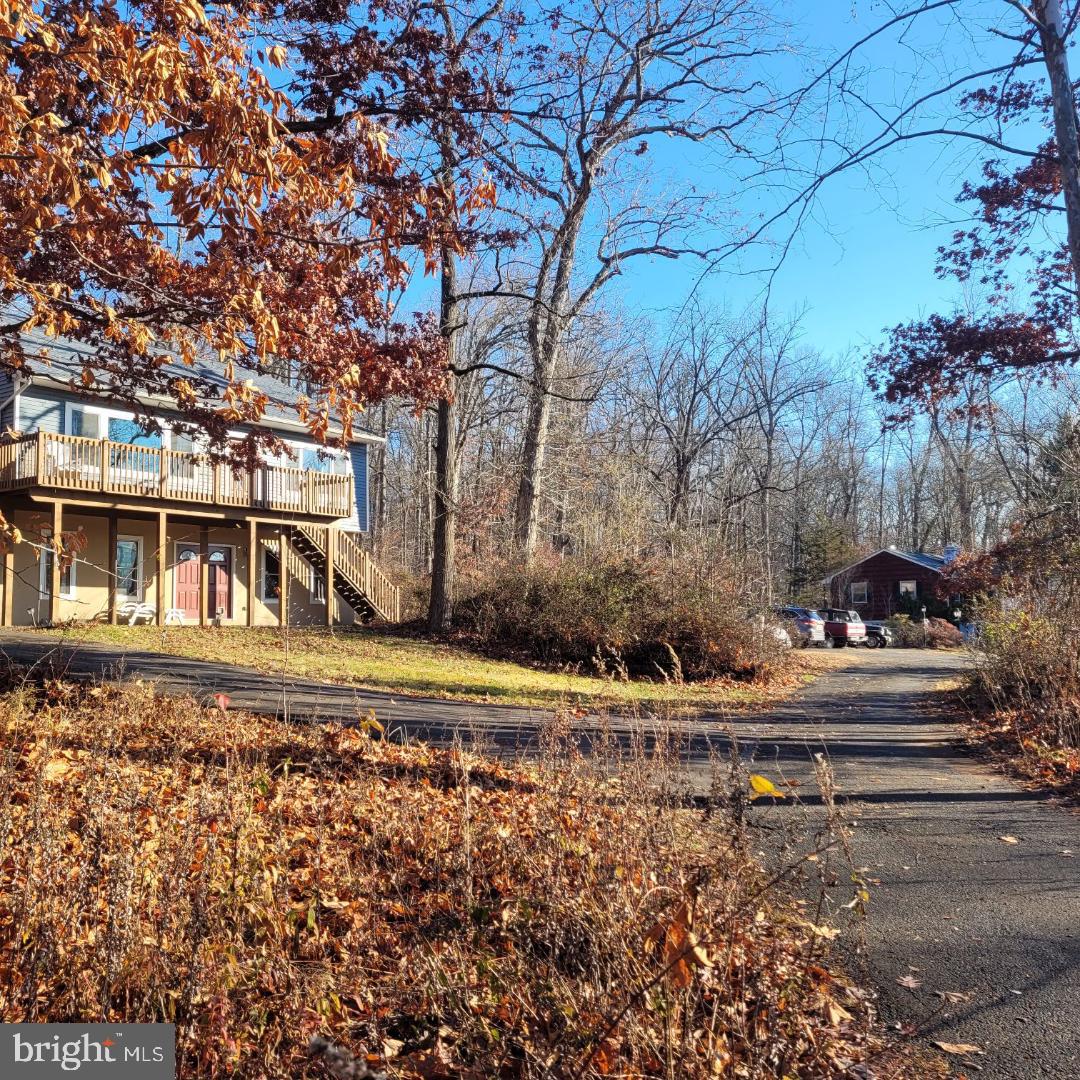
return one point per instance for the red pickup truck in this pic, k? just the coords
(843, 628)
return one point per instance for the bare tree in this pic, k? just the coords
(577, 145)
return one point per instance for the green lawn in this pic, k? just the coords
(383, 661)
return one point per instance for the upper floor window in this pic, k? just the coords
(92, 422)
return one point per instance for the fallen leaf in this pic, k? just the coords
(909, 981)
(56, 768)
(955, 996)
(838, 1014)
(1008, 839)
(960, 1049)
(762, 785)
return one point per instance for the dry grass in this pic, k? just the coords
(378, 660)
(437, 914)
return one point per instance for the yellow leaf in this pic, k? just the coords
(276, 55)
(762, 785)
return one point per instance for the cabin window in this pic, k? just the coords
(271, 577)
(92, 422)
(316, 585)
(129, 568)
(324, 460)
(860, 592)
(909, 588)
(67, 574)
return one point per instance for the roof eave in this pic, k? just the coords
(166, 403)
(874, 555)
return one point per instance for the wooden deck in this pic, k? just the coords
(72, 463)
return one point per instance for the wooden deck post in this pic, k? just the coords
(111, 567)
(204, 573)
(7, 614)
(331, 544)
(283, 576)
(252, 569)
(54, 577)
(162, 542)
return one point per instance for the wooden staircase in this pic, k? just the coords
(359, 581)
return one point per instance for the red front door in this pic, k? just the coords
(187, 581)
(220, 582)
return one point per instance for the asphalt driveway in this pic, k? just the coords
(955, 910)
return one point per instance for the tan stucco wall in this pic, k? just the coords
(91, 583)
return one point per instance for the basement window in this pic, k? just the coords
(271, 577)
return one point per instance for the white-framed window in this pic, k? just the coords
(95, 422)
(316, 585)
(67, 574)
(271, 576)
(128, 569)
(860, 592)
(909, 588)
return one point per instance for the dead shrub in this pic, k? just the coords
(618, 616)
(430, 912)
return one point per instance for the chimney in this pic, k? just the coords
(950, 552)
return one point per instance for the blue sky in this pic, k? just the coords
(865, 259)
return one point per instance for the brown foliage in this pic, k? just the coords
(620, 616)
(158, 195)
(435, 914)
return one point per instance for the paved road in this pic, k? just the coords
(953, 905)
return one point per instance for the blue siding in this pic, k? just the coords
(41, 408)
(358, 454)
(7, 411)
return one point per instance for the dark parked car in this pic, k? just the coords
(843, 628)
(878, 635)
(805, 625)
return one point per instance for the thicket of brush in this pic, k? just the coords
(433, 913)
(1026, 682)
(622, 617)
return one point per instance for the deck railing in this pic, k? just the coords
(149, 472)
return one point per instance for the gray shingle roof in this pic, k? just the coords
(61, 360)
(931, 562)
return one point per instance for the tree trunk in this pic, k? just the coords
(534, 450)
(444, 538)
(1051, 34)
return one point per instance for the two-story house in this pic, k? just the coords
(164, 527)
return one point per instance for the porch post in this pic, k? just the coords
(283, 576)
(6, 617)
(252, 569)
(331, 544)
(162, 542)
(204, 573)
(111, 567)
(54, 578)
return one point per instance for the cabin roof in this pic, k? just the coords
(925, 559)
(60, 360)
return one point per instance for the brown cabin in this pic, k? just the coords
(889, 581)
